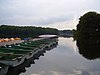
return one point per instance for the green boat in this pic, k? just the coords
(14, 55)
(11, 59)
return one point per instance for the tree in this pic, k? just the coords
(89, 24)
(27, 31)
(88, 39)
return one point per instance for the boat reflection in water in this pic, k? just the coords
(89, 47)
(27, 63)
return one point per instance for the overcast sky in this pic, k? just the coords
(61, 14)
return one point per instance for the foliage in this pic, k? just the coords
(89, 24)
(88, 35)
(26, 31)
(75, 33)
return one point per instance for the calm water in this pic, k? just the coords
(65, 59)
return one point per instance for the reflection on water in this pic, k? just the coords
(22, 68)
(89, 47)
(65, 59)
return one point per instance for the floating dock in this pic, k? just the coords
(15, 54)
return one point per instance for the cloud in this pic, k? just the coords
(44, 12)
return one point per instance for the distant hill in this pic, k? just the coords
(66, 33)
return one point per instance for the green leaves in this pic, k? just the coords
(89, 23)
(22, 32)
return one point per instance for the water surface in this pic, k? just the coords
(65, 59)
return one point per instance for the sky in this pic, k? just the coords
(60, 14)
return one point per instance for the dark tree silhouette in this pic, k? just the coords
(89, 24)
(27, 31)
(88, 39)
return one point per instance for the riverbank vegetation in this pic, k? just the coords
(87, 35)
(89, 25)
(7, 31)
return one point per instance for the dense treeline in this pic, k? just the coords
(89, 24)
(87, 35)
(26, 31)
(65, 33)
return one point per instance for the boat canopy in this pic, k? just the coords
(47, 36)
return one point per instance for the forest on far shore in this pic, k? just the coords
(7, 31)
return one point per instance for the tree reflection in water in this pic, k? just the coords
(89, 47)
(88, 35)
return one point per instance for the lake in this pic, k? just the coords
(64, 59)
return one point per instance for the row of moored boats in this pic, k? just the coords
(15, 54)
